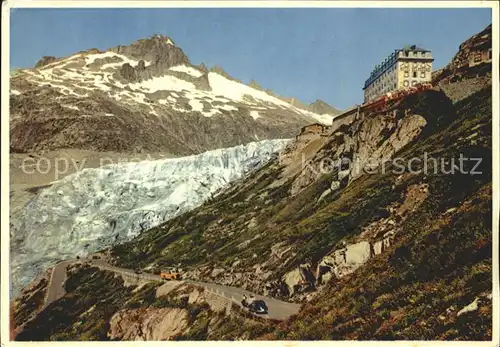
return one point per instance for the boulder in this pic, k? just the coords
(350, 258)
(147, 324)
(216, 272)
(291, 279)
(324, 194)
(301, 277)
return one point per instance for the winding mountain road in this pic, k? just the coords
(277, 309)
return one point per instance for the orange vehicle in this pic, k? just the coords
(167, 276)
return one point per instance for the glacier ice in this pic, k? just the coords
(95, 208)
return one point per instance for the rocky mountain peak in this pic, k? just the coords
(202, 67)
(155, 54)
(321, 107)
(162, 38)
(158, 50)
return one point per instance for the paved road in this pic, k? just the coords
(278, 309)
(56, 282)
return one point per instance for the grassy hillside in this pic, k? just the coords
(441, 259)
(94, 297)
(440, 264)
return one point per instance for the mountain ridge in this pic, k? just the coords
(142, 48)
(99, 100)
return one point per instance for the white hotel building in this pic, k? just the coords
(404, 68)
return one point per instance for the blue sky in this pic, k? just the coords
(305, 53)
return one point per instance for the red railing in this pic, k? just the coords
(380, 104)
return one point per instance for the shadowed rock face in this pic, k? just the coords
(470, 69)
(159, 50)
(149, 324)
(161, 53)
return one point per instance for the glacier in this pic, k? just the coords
(98, 207)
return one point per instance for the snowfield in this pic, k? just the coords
(186, 69)
(95, 208)
(166, 82)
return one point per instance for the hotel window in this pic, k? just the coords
(414, 73)
(407, 74)
(422, 74)
(406, 83)
(413, 83)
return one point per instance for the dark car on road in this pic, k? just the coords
(138, 271)
(255, 306)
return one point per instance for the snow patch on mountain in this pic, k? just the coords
(254, 114)
(228, 108)
(95, 208)
(72, 107)
(323, 118)
(187, 69)
(237, 91)
(166, 82)
(89, 59)
(196, 105)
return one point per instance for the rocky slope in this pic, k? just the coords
(469, 70)
(298, 235)
(143, 97)
(333, 230)
(282, 197)
(102, 306)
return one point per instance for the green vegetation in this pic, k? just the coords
(400, 294)
(440, 264)
(94, 296)
(27, 304)
(240, 325)
(404, 294)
